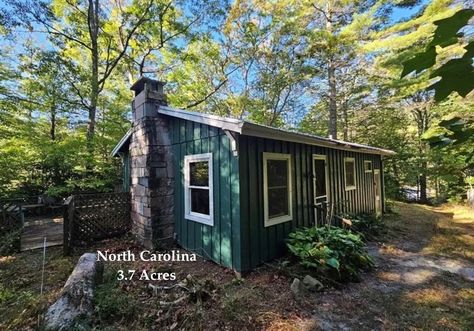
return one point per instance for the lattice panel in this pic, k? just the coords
(100, 216)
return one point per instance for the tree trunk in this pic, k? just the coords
(345, 116)
(332, 125)
(423, 182)
(75, 305)
(94, 92)
(470, 196)
(422, 178)
(418, 188)
(396, 178)
(52, 130)
(422, 116)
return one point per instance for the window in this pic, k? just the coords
(349, 173)
(198, 198)
(368, 166)
(277, 188)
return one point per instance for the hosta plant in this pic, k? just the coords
(335, 252)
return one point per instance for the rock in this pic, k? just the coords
(76, 298)
(467, 274)
(312, 284)
(297, 288)
(328, 325)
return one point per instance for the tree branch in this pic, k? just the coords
(114, 63)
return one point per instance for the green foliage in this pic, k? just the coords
(470, 180)
(333, 251)
(367, 225)
(266, 61)
(9, 241)
(53, 87)
(112, 303)
(456, 74)
(6, 294)
(456, 131)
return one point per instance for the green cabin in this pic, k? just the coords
(230, 190)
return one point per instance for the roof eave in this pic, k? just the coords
(212, 120)
(118, 147)
(251, 129)
(255, 130)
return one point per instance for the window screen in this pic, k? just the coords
(368, 166)
(200, 201)
(198, 196)
(277, 179)
(349, 171)
(320, 174)
(199, 186)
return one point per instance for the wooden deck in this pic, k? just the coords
(37, 228)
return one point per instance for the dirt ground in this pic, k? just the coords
(424, 280)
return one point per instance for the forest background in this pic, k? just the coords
(331, 68)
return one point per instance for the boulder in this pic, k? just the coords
(75, 302)
(297, 288)
(312, 284)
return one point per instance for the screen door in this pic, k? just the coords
(320, 187)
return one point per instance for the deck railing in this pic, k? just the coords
(329, 213)
(11, 223)
(11, 215)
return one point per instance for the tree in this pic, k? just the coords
(397, 44)
(268, 74)
(456, 129)
(172, 27)
(455, 74)
(83, 34)
(332, 32)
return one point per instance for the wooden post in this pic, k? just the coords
(68, 219)
(4, 216)
(65, 227)
(22, 216)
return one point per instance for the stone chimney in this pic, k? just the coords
(152, 186)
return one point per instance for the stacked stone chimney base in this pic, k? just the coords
(152, 186)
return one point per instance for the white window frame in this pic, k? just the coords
(371, 166)
(321, 157)
(352, 187)
(188, 214)
(283, 218)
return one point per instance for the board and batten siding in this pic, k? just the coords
(260, 243)
(238, 239)
(220, 242)
(126, 172)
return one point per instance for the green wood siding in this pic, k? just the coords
(260, 243)
(220, 242)
(238, 238)
(126, 172)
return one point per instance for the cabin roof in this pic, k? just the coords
(122, 145)
(256, 130)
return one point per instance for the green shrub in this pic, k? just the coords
(9, 241)
(368, 226)
(390, 207)
(6, 294)
(335, 252)
(112, 303)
